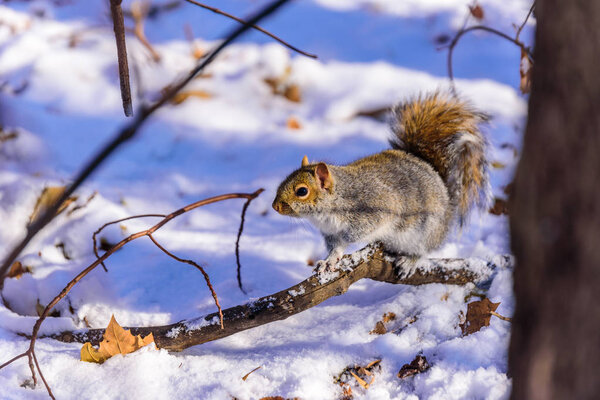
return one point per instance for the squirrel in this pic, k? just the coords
(407, 197)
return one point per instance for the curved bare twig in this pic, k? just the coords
(30, 353)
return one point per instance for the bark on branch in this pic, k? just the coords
(370, 262)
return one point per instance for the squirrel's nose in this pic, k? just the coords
(277, 207)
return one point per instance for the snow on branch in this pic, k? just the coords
(371, 262)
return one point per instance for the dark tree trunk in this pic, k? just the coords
(555, 212)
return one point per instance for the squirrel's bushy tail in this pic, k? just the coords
(444, 131)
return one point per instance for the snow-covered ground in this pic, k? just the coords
(60, 95)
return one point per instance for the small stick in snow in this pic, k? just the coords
(248, 374)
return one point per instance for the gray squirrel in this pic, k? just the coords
(407, 197)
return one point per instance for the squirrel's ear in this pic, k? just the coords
(304, 161)
(323, 176)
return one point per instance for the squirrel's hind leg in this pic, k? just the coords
(405, 264)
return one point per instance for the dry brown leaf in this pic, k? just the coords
(379, 329)
(183, 96)
(293, 123)
(416, 366)
(478, 315)
(292, 93)
(477, 11)
(498, 165)
(17, 270)
(388, 317)
(500, 207)
(116, 340)
(525, 69)
(47, 199)
(281, 86)
(346, 392)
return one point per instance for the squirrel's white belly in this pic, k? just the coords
(409, 241)
(328, 224)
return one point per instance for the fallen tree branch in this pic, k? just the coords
(370, 262)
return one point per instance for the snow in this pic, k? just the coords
(63, 102)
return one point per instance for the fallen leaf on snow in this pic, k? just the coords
(116, 340)
(380, 328)
(48, 197)
(17, 270)
(478, 315)
(416, 366)
(293, 123)
(183, 96)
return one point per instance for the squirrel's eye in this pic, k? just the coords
(301, 191)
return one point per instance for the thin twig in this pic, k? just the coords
(237, 245)
(258, 28)
(464, 30)
(194, 264)
(116, 222)
(502, 317)
(42, 375)
(248, 374)
(139, 11)
(119, 28)
(13, 359)
(525, 21)
(128, 132)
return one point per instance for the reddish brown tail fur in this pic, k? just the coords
(444, 131)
